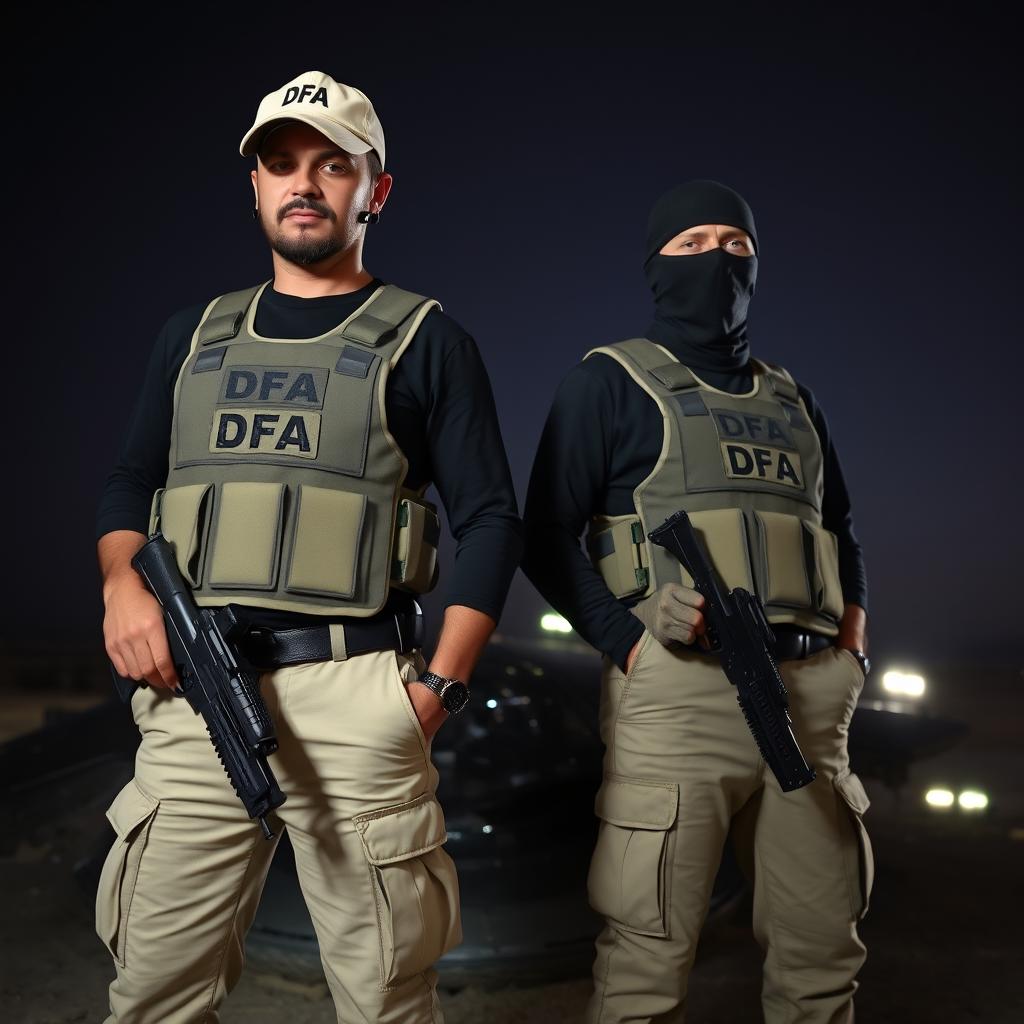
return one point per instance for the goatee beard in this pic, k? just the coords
(304, 252)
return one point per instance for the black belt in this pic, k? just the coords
(792, 643)
(270, 648)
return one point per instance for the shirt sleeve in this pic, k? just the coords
(473, 480)
(567, 484)
(836, 511)
(141, 465)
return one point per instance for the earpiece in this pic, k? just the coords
(365, 217)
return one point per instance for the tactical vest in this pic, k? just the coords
(284, 487)
(748, 471)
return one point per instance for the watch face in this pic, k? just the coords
(456, 697)
(862, 660)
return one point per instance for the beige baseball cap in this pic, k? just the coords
(341, 112)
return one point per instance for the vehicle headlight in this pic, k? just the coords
(904, 684)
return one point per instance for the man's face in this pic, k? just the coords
(704, 237)
(310, 192)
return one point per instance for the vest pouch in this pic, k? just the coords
(326, 541)
(787, 558)
(618, 550)
(828, 591)
(246, 540)
(154, 512)
(724, 534)
(414, 562)
(182, 515)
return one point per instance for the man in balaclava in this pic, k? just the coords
(685, 418)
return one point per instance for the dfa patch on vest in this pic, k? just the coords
(758, 448)
(285, 422)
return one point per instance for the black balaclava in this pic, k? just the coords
(700, 302)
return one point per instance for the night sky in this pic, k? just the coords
(879, 159)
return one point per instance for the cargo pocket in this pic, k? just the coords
(858, 855)
(784, 560)
(629, 879)
(828, 591)
(326, 541)
(247, 536)
(415, 886)
(131, 814)
(182, 515)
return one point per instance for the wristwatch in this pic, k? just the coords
(862, 660)
(453, 693)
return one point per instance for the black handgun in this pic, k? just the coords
(216, 680)
(741, 637)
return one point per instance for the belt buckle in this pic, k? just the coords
(257, 644)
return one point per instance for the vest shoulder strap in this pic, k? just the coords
(780, 380)
(389, 308)
(644, 359)
(227, 314)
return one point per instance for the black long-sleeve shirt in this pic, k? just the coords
(602, 438)
(440, 410)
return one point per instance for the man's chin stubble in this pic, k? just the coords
(303, 251)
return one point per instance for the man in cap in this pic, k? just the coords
(283, 441)
(685, 418)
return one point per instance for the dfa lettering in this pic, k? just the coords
(750, 429)
(296, 95)
(264, 431)
(301, 386)
(757, 462)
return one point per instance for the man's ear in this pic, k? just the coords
(381, 189)
(255, 187)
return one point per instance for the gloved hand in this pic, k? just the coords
(672, 614)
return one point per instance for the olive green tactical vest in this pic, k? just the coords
(748, 470)
(284, 487)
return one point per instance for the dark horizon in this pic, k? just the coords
(878, 160)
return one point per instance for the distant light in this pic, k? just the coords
(487, 829)
(939, 798)
(492, 703)
(552, 623)
(972, 800)
(907, 684)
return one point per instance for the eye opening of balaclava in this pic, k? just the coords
(701, 301)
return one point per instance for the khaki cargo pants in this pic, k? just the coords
(680, 766)
(181, 884)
